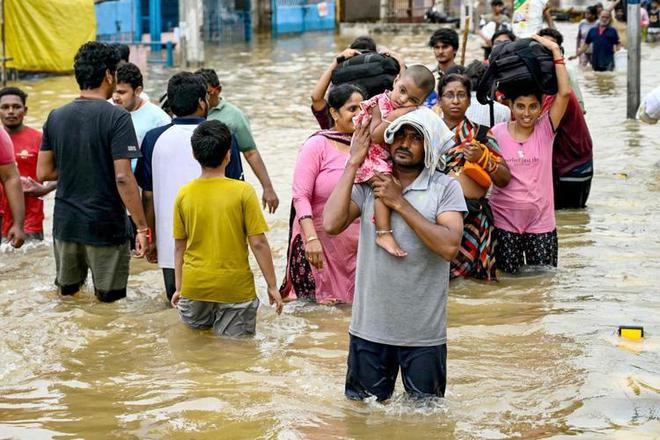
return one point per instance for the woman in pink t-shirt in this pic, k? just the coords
(523, 211)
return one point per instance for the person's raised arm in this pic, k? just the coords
(321, 87)
(611, 7)
(340, 211)
(130, 196)
(397, 56)
(548, 17)
(11, 181)
(442, 237)
(261, 250)
(563, 83)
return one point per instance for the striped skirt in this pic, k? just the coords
(476, 257)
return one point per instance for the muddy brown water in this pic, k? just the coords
(532, 356)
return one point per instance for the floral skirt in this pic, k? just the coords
(299, 273)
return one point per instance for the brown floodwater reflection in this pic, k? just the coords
(531, 356)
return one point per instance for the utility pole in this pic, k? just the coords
(191, 20)
(634, 57)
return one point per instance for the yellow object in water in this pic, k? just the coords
(44, 35)
(633, 333)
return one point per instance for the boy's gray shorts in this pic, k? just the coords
(226, 319)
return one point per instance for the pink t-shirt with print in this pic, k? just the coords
(526, 204)
(6, 157)
(6, 148)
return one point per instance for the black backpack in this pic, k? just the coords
(372, 71)
(523, 63)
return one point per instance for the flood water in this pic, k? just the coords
(533, 356)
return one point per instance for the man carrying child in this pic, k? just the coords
(399, 317)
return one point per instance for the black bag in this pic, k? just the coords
(524, 64)
(372, 71)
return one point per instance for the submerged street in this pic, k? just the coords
(531, 356)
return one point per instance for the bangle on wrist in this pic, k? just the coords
(493, 164)
(147, 232)
(559, 61)
(484, 154)
(312, 238)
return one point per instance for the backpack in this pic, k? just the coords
(371, 71)
(521, 63)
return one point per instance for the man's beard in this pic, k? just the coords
(13, 126)
(407, 166)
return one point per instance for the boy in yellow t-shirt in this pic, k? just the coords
(215, 218)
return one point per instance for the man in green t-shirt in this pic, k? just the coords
(222, 110)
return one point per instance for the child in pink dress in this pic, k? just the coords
(410, 90)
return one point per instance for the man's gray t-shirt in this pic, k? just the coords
(403, 301)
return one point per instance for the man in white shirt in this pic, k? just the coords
(528, 16)
(167, 164)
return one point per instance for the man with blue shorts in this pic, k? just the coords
(399, 318)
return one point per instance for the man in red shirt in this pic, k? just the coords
(572, 157)
(26, 142)
(572, 153)
(11, 182)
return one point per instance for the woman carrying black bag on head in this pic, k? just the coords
(523, 211)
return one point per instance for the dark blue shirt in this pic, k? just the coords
(144, 172)
(602, 47)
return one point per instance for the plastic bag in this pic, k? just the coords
(621, 61)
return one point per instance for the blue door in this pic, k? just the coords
(295, 16)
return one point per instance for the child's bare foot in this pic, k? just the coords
(387, 242)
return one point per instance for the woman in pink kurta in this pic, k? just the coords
(321, 267)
